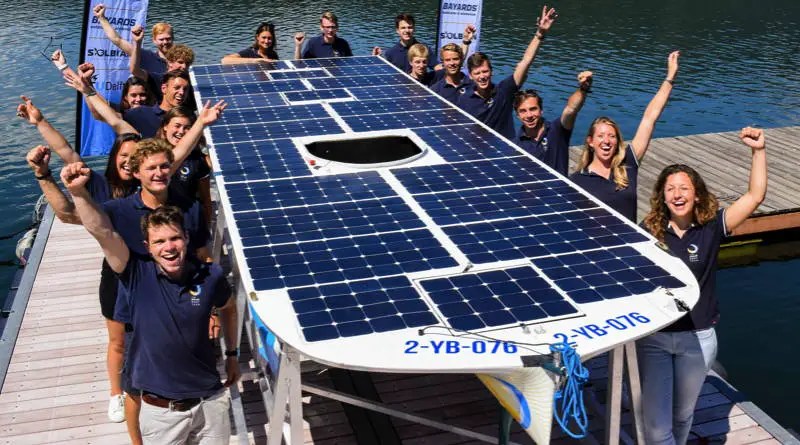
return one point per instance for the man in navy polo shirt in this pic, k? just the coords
(155, 62)
(398, 54)
(490, 103)
(175, 92)
(455, 82)
(171, 295)
(549, 141)
(326, 44)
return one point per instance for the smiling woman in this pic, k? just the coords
(263, 48)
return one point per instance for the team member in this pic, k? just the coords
(398, 54)
(418, 56)
(327, 44)
(263, 48)
(155, 62)
(549, 141)
(609, 169)
(175, 90)
(454, 82)
(686, 217)
(179, 58)
(490, 103)
(171, 295)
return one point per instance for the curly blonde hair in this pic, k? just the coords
(180, 52)
(618, 171)
(149, 147)
(705, 208)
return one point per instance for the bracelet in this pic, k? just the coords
(44, 176)
(91, 93)
(232, 352)
(539, 35)
(62, 67)
(466, 42)
(669, 81)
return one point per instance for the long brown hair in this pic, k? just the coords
(118, 187)
(705, 208)
(618, 172)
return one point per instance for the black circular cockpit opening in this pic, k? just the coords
(376, 150)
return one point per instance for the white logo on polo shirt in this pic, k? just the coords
(692, 249)
(195, 294)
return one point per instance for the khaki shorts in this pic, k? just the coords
(207, 423)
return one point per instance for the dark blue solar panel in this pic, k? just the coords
(389, 91)
(273, 130)
(399, 105)
(271, 114)
(300, 96)
(231, 78)
(463, 175)
(339, 259)
(361, 70)
(496, 298)
(263, 195)
(247, 67)
(465, 142)
(511, 201)
(360, 81)
(252, 101)
(606, 274)
(359, 308)
(243, 89)
(406, 120)
(537, 236)
(338, 62)
(257, 160)
(303, 74)
(325, 221)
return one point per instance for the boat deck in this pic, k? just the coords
(52, 352)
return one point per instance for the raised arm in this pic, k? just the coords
(75, 176)
(743, 207)
(61, 64)
(81, 81)
(207, 116)
(644, 133)
(543, 24)
(230, 324)
(299, 38)
(576, 100)
(137, 34)
(112, 34)
(51, 136)
(466, 41)
(39, 161)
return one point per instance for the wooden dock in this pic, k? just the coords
(724, 163)
(55, 389)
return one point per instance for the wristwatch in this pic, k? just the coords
(232, 352)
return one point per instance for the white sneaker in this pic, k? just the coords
(116, 408)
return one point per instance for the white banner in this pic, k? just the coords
(111, 66)
(454, 16)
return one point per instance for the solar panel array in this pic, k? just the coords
(480, 238)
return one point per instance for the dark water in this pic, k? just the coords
(739, 66)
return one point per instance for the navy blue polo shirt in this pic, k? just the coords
(494, 111)
(430, 77)
(252, 53)
(171, 353)
(145, 119)
(552, 148)
(126, 216)
(398, 56)
(604, 189)
(699, 249)
(448, 91)
(317, 48)
(151, 62)
(185, 181)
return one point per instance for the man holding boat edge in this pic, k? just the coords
(490, 103)
(171, 295)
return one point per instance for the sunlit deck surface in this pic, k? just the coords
(56, 388)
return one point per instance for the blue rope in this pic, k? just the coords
(568, 401)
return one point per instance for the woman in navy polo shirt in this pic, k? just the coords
(263, 48)
(686, 217)
(608, 169)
